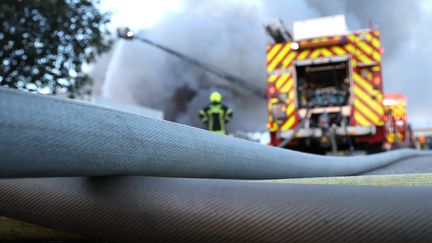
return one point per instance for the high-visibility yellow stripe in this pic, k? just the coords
(282, 80)
(316, 53)
(361, 120)
(365, 47)
(370, 51)
(363, 58)
(365, 84)
(351, 49)
(290, 109)
(376, 43)
(278, 58)
(273, 51)
(338, 50)
(367, 112)
(354, 63)
(291, 95)
(326, 52)
(272, 78)
(303, 54)
(368, 36)
(287, 86)
(288, 124)
(376, 56)
(369, 101)
(289, 59)
(352, 38)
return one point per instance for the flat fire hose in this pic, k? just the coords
(44, 136)
(145, 209)
(51, 137)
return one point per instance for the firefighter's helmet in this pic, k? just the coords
(215, 97)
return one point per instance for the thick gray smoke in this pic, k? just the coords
(230, 35)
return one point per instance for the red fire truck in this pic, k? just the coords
(326, 92)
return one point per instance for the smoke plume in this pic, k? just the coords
(230, 35)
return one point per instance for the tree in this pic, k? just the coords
(44, 43)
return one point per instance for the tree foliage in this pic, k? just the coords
(44, 43)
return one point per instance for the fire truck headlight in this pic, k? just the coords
(400, 123)
(295, 46)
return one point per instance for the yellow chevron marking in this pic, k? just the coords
(365, 47)
(369, 101)
(361, 120)
(366, 111)
(288, 85)
(363, 58)
(282, 80)
(272, 78)
(291, 95)
(303, 55)
(351, 49)
(377, 56)
(326, 52)
(365, 84)
(273, 51)
(352, 38)
(338, 50)
(316, 53)
(289, 59)
(376, 43)
(288, 124)
(290, 109)
(278, 58)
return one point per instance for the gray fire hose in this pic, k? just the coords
(142, 209)
(49, 137)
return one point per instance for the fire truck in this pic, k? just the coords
(325, 92)
(398, 131)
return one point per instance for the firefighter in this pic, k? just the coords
(216, 115)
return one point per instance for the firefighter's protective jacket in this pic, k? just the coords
(216, 115)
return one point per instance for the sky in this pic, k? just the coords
(229, 34)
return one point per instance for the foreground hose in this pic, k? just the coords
(142, 209)
(45, 137)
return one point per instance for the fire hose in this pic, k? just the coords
(51, 137)
(145, 209)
